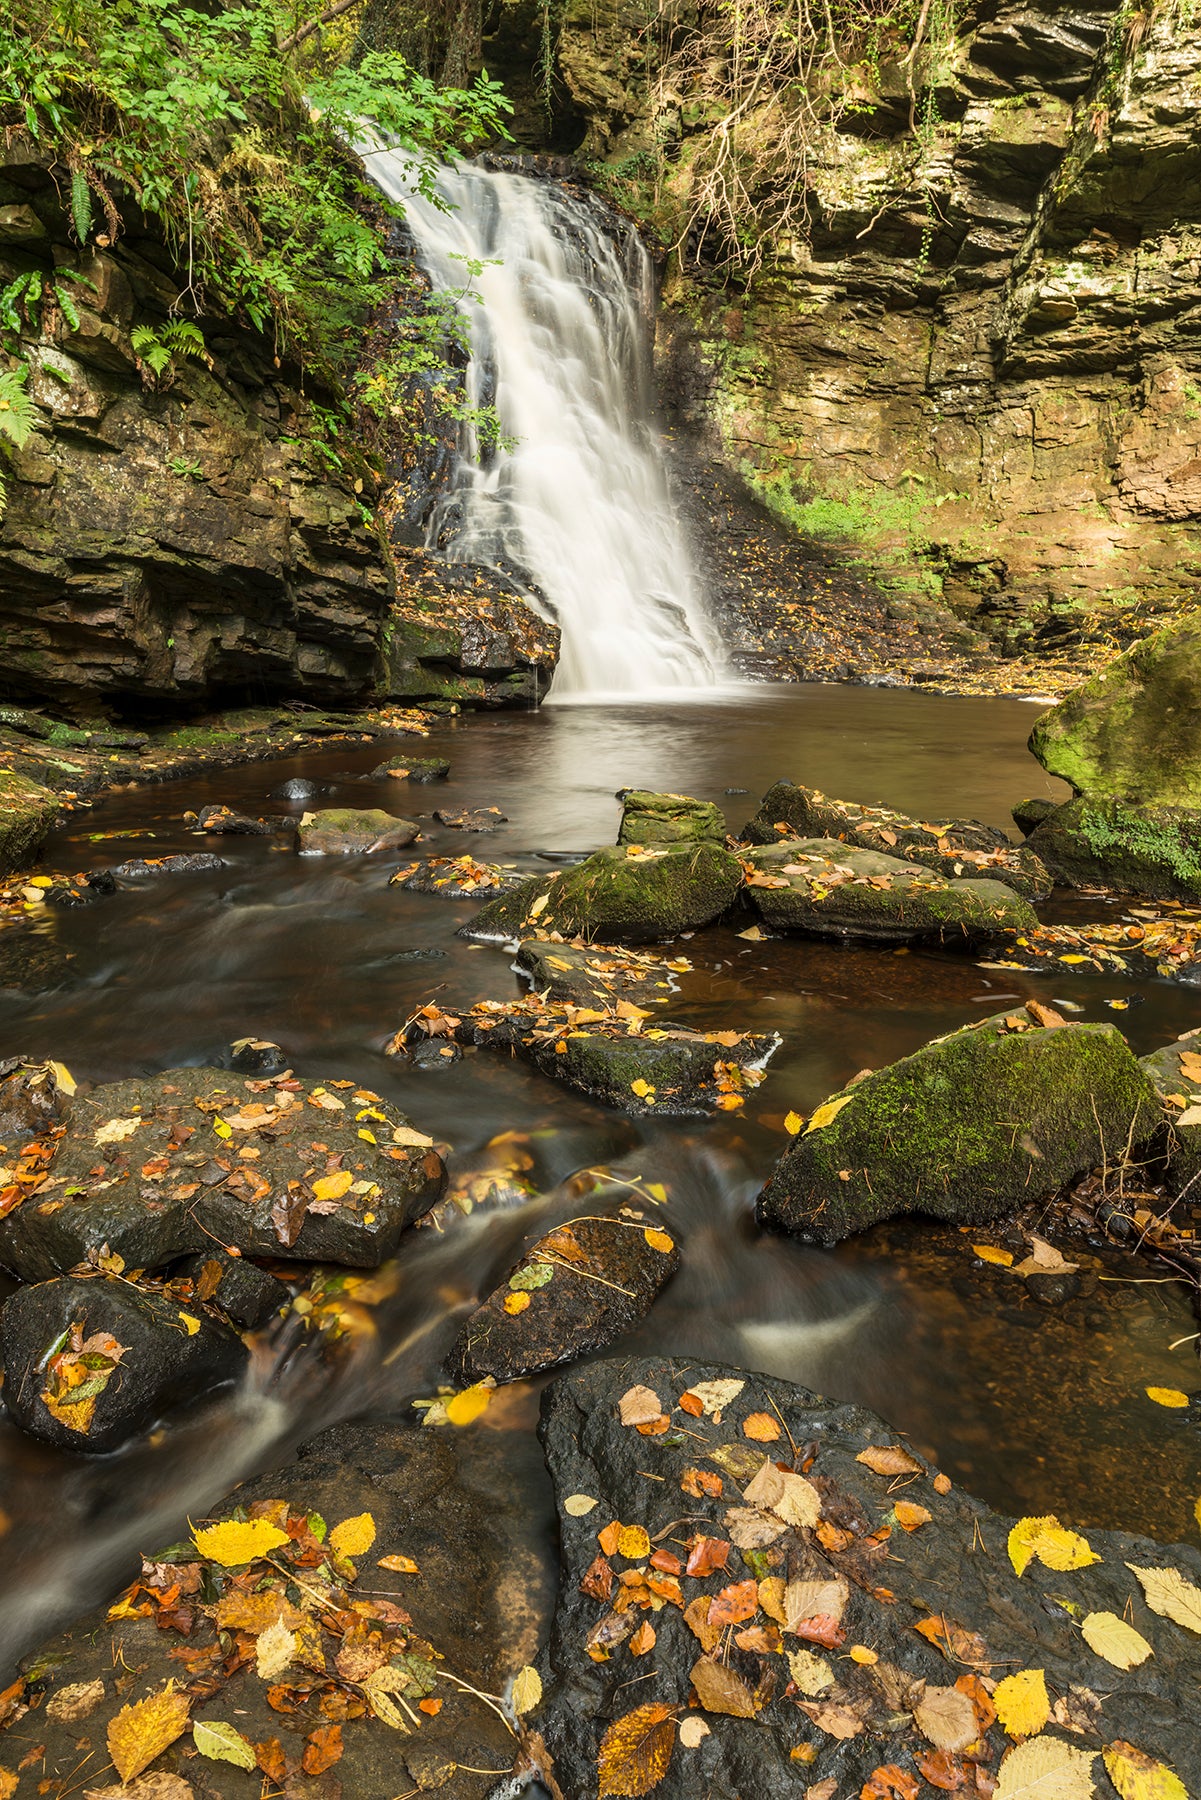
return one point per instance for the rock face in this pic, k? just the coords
(1176, 1073)
(89, 1363)
(960, 847)
(151, 1169)
(341, 831)
(747, 1678)
(1149, 850)
(971, 1126)
(820, 886)
(650, 818)
(597, 976)
(1133, 732)
(575, 1291)
(622, 893)
(458, 632)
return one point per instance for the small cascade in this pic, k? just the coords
(578, 508)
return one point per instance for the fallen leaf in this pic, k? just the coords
(910, 1516)
(1021, 1703)
(1045, 1768)
(789, 1496)
(468, 1405)
(814, 1599)
(639, 1405)
(636, 1750)
(1168, 1593)
(274, 1649)
(72, 1704)
(990, 1253)
(515, 1303)
(115, 1131)
(942, 1770)
(706, 1555)
(823, 1790)
(693, 1731)
(1046, 1540)
(734, 1604)
(633, 1542)
(827, 1113)
(715, 1396)
(720, 1690)
(761, 1427)
(890, 1782)
(222, 1742)
(144, 1730)
(1167, 1396)
(527, 1690)
(812, 1674)
(753, 1530)
(946, 1718)
(837, 1721)
(889, 1459)
(397, 1565)
(1138, 1776)
(860, 1653)
(792, 1123)
(332, 1187)
(236, 1541)
(643, 1639)
(1115, 1640)
(579, 1505)
(701, 1483)
(322, 1749)
(353, 1537)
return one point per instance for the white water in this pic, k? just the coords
(579, 509)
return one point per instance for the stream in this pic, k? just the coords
(1029, 1409)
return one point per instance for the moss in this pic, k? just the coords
(634, 899)
(1148, 850)
(607, 1068)
(668, 819)
(1181, 1144)
(887, 898)
(970, 1127)
(27, 811)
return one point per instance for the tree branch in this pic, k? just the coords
(306, 31)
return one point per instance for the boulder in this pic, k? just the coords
(573, 1292)
(412, 768)
(1138, 849)
(1029, 813)
(222, 820)
(296, 789)
(201, 862)
(958, 848)
(997, 1115)
(89, 1363)
(1176, 1073)
(816, 1608)
(1166, 948)
(470, 818)
(830, 889)
(341, 831)
(626, 893)
(154, 1168)
(1133, 732)
(33, 1098)
(591, 975)
(458, 878)
(650, 818)
(245, 1293)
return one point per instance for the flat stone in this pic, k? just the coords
(935, 1609)
(576, 1290)
(202, 862)
(152, 1168)
(413, 768)
(634, 896)
(170, 1354)
(598, 975)
(998, 1115)
(342, 831)
(221, 819)
(470, 818)
(651, 818)
(1167, 948)
(831, 889)
(458, 878)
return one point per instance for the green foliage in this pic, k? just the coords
(18, 416)
(24, 301)
(159, 350)
(185, 466)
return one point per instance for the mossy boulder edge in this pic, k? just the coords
(1095, 842)
(619, 895)
(650, 818)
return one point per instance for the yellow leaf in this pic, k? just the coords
(1116, 1641)
(577, 1505)
(353, 1536)
(909, 1515)
(641, 1088)
(828, 1112)
(1167, 1396)
(191, 1324)
(635, 1751)
(861, 1654)
(633, 1542)
(1022, 1704)
(398, 1565)
(469, 1404)
(989, 1253)
(332, 1187)
(659, 1240)
(1168, 1593)
(368, 1137)
(515, 1303)
(237, 1541)
(143, 1731)
(222, 1129)
(527, 1690)
(222, 1742)
(1045, 1768)
(539, 906)
(1050, 1543)
(1138, 1776)
(792, 1123)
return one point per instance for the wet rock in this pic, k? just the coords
(772, 1701)
(257, 1056)
(27, 811)
(598, 975)
(650, 818)
(575, 1291)
(1029, 813)
(138, 867)
(90, 1363)
(458, 878)
(1167, 947)
(296, 788)
(670, 1069)
(959, 848)
(221, 819)
(1139, 849)
(477, 818)
(465, 1618)
(153, 1168)
(1053, 1289)
(413, 768)
(1133, 732)
(341, 831)
(243, 1291)
(632, 895)
(427, 1053)
(32, 1100)
(974, 1125)
(831, 889)
(29, 724)
(1176, 1072)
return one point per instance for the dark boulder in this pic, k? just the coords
(1138, 849)
(1029, 813)
(470, 818)
(650, 818)
(257, 1056)
(245, 1293)
(203, 862)
(598, 975)
(342, 831)
(575, 1291)
(973, 1125)
(413, 768)
(458, 878)
(89, 1363)
(33, 1098)
(222, 820)
(1164, 947)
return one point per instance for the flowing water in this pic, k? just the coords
(577, 508)
(1028, 1408)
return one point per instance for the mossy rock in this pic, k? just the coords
(619, 894)
(27, 811)
(412, 768)
(651, 818)
(343, 831)
(1028, 814)
(970, 1127)
(829, 889)
(1151, 850)
(1134, 731)
(1181, 1142)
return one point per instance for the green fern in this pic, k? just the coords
(18, 414)
(81, 207)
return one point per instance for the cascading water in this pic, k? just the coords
(579, 506)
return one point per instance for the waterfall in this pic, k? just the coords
(577, 506)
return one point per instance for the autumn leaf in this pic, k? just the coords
(222, 1742)
(397, 1564)
(789, 1496)
(761, 1428)
(332, 1187)
(143, 1731)
(577, 1505)
(1164, 1396)
(837, 1721)
(274, 1649)
(693, 1731)
(720, 1690)
(643, 1640)
(353, 1537)
(1047, 1541)
(238, 1541)
(889, 1459)
(701, 1483)
(1168, 1593)
(527, 1690)
(946, 1718)
(1022, 1704)
(515, 1303)
(1045, 1768)
(909, 1515)
(636, 1750)
(1115, 1640)
(735, 1603)
(990, 1253)
(639, 1405)
(633, 1542)
(812, 1674)
(890, 1782)
(792, 1123)
(827, 1113)
(715, 1396)
(1138, 1776)
(659, 1240)
(468, 1405)
(322, 1749)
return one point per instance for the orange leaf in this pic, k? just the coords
(706, 1555)
(735, 1603)
(943, 1770)
(607, 1539)
(643, 1639)
(910, 1515)
(322, 1749)
(762, 1428)
(432, 1707)
(699, 1483)
(692, 1403)
(271, 1760)
(635, 1751)
(890, 1782)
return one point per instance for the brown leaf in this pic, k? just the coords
(955, 1642)
(720, 1690)
(597, 1580)
(696, 1617)
(160, 1784)
(322, 1749)
(1044, 1015)
(942, 1770)
(889, 1459)
(639, 1406)
(643, 1639)
(271, 1760)
(946, 1718)
(890, 1782)
(636, 1750)
(143, 1731)
(981, 1699)
(838, 1721)
(287, 1215)
(735, 1603)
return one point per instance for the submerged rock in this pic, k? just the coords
(221, 819)
(413, 768)
(598, 975)
(201, 862)
(343, 831)
(1133, 732)
(577, 1289)
(1176, 1072)
(458, 877)
(153, 1168)
(974, 1125)
(1029, 813)
(1144, 849)
(625, 893)
(831, 889)
(773, 1594)
(257, 1056)
(650, 818)
(959, 848)
(470, 818)
(89, 1363)
(296, 788)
